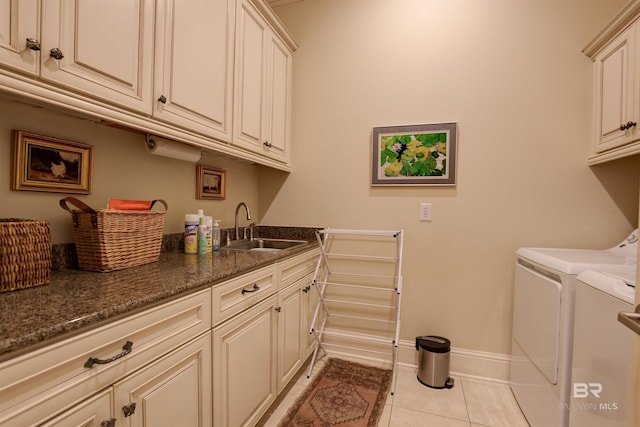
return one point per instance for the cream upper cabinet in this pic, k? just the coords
(194, 65)
(279, 98)
(262, 88)
(206, 72)
(20, 35)
(100, 48)
(615, 52)
(616, 101)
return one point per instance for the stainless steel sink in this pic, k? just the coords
(263, 244)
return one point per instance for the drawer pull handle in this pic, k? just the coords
(254, 289)
(128, 346)
(129, 410)
(627, 125)
(306, 289)
(111, 422)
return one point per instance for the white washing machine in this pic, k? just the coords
(601, 349)
(543, 309)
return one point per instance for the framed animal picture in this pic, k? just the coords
(43, 163)
(210, 183)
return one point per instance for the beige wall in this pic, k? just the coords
(509, 72)
(512, 75)
(122, 169)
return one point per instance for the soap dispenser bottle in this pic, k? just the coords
(215, 235)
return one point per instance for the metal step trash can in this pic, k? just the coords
(433, 361)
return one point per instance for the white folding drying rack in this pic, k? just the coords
(369, 293)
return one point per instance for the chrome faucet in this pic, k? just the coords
(249, 228)
(248, 216)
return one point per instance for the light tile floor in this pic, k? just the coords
(470, 403)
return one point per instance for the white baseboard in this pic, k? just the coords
(463, 362)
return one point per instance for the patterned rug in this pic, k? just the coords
(344, 394)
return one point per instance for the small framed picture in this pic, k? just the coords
(210, 183)
(43, 163)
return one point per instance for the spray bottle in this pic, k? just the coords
(215, 235)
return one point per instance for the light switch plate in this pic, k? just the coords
(425, 211)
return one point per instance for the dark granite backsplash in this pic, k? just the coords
(64, 254)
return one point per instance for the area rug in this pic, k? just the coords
(344, 394)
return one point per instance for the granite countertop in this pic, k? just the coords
(75, 301)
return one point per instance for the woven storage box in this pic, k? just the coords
(25, 253)
(109, 240)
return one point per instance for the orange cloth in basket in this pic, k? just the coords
(130, 205)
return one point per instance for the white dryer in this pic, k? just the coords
(601, 349)
(542, 335)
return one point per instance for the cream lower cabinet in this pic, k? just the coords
(258, 350)
(291, 322)
(244, 365)
(159, 360)
(311, 297)
(172, 391)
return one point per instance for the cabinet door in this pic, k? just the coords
(95, 411)
(194, 65)
(244, 366)
(173, 391)
(279, 97)
(262, 86)
(291, 321)
(310, 303)
(105, 49)
(19, 21)
(250, 77)
(614, 92)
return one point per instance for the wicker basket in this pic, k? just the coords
(109, 240)
(25, 253)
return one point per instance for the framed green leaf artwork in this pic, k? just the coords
(414, 155)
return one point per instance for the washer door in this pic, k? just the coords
(536, 317)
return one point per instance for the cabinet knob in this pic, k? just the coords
(278, 309)
(129, 410)
(267, 144)
(111, 422)
(56, 53)
(33, 44)
(163, 99)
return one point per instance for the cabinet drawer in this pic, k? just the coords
(52, 378)
(233, 296)
(294, 268)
